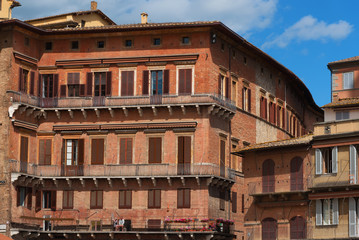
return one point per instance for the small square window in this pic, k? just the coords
(48, 46)
(185, 40)
(27, 41)
(101, 44)
(157, 41)
(75, 45)
(128, 43)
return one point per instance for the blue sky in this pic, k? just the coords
(302, 35)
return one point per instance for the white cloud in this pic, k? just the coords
(309, 28)
(240, 15)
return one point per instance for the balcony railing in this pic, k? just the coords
(113, 101)
(127, 170)
(276, 187)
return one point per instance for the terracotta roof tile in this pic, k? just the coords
(351, 59)
(276, 144)
(343, 102)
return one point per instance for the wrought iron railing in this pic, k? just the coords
(127, 170)
(113, 101)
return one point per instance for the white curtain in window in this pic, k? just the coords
(352, 218)
(326, 211)
(318, 212)
(318, 161)
(353, 164)
(334, 159)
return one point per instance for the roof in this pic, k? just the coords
(3, 237)
(297, 82)
(104, 16)
(304, 140)
(343, 102)
(351, 59)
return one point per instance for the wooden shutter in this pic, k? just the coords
(222, 158)
(318, 161)
(353, 164)
(155, 150)
(53, 200)
(38, 200)
(20, 80)
(219, 84)
(222, 196)
(249, 99)
(63, 90)
(268, 178)
(150, 198)
(187, 198)
(128, 198)
(122, 199)
(334, 159)
(48, 148)
(41, 152)
(108, 83)
(82, 90)
(318, 212)
(296, 174)
(352, 218)
(81, 156)
(157, 198)
(93, 198)
(56, 85)
(124, 83)
(335, 216)
(18, 196)
(97, 151)
(29, 197)
(228, 91)
(63, 149)
(166, 82)
(32, 83)
(180, 150)
(24, 149)
(125, 150)
(180, 194)
(188, 80)
(145, 82)
(39, 92)
(243, 98)
(89, 84)
(234, 202)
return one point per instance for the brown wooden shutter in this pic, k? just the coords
(188, 88)
(42, 152)
(81, 152)
(228, 92)
(48, 145)
(181, 81)
(129, 199)
(38, 200)
(234, 202)
(180, 198)
(20, 80)
(145, 82)
(124, 83)
(63, 90)
(126, 151)
(150, 198)
(268, 178)
(249, 99)
(219, 84)
(166, 82)
(29, 197)
(39, 92)
(82, 90)
(56, 85)
(130, 83)
(89, 83)
(242, 203)
(18, 196)
(108, 83)
(187, 197)
(243, 98)
(155, 150)
(223, 153)
(187, 150)
(63, 149)
(24, 149)
(265, 108)
(32, 83)
(97, 151)
(180, 150)
(122, 199)
(53, 200)
(158, 198)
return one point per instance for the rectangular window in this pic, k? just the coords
(272, 113)
(24, 197)
(100, 84)
(184, 198)
(125, 199)
(234, 202)
(222, 158)
(24, 149)
(74, 45)
(101, 44)
(348, 80)
(154, 198)
(48, 46)
(184, 155)
(96, 199)
(128, 43)
(157, 82)
(68, 200)
(327, 212)
(126, 147)
(49, 85)
(353, 217)
(23, 80)
(185, 40)
(342, 115)
(326, 160)
(97, 151)
(49, 199)
(156, 41)
(155, 150)
(222, 200)
(184, 81)
(73, 152)
(73, 84)
(45, 150)
(246, 99)
(263, 108)
(127, 83)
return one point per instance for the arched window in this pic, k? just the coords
(297, 228)
(269, 229)
(296, 174)
(268, 181)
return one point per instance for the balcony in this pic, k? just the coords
(340, 180)
(174, 228)
(216, 103)
(216, 174)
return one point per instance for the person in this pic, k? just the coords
(115, 223)
(120, 224)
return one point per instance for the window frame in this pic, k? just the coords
(98, 196)
(185, 67)
(67, 195)
(152, 193)
(121, 71)
(149, 147)
(332, 212)
(74, 45)
(48, 46)
(326, 160)
(156, 41)
(126, 205)
(348, 80)
(45, 153)
(185, 194)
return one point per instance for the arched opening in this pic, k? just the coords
(268, 181)
(269, 229)
(297, 228)
(296, 174)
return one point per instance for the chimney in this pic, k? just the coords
(144, 18)
(93, 5)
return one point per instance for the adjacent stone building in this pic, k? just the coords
(135, 121)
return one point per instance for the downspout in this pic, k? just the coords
(229, 130)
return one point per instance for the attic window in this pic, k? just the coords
(101, 44)
(185, 40)
(83, 22)
(75, 45)
(128, 43)
(27, 41)
(157, 41)
(48, 46)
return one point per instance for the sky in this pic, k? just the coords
(302, 35)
